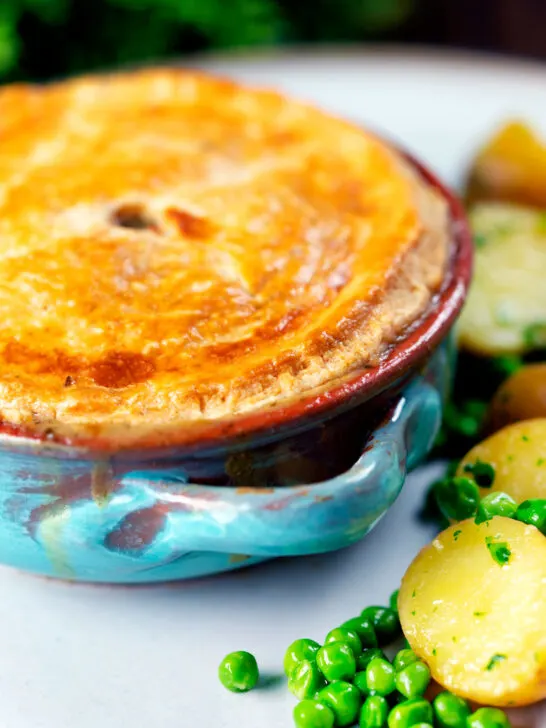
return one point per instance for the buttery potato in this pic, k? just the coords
(506, 309)
(521, 397)
(510, 167)
(518, 455)
(473, 606)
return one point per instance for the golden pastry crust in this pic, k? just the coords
(176, 248)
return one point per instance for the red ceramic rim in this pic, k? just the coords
(281, 421)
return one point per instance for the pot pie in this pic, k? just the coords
(177, 248)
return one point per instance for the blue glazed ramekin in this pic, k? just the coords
(58, 518)
(310, 477)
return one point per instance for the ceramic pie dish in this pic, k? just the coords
(224, 316)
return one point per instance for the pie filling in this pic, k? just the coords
(177, 248)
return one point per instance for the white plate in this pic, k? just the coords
(98, 657)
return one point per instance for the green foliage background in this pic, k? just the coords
(41, 39)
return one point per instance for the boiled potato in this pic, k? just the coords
(521, 397)
(511, 167)
(506, 308)
(473, 606)
(518, 455)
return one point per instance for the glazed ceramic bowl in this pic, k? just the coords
(309, 477)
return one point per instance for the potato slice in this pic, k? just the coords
(506, 309)
(518, 454)
(511, 168)
(521, 397)
(473, 606)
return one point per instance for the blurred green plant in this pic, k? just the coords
(47, 38)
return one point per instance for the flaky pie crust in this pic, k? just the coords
(177, 248)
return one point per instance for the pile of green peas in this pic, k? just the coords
(458, 497)
(349, 680)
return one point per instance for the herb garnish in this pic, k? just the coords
(494, 661)
(499, 550)
(483, 473)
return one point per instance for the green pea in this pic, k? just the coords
(457, 498)
(336, 661)
(413, 680)
(450, 711)
(299, 650)
(374, 712)
(495, 504)
(403, 659)
(238, 672)
(364, 629)
(344, 700)
(380, 677)
(422, 725)
(533, 512)
(310, 714)
(349, 636)
(363, 660)
(385, 622)
(306, 680)
(393, 601)
(409, 713)
(488, 718)
(361, 682)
